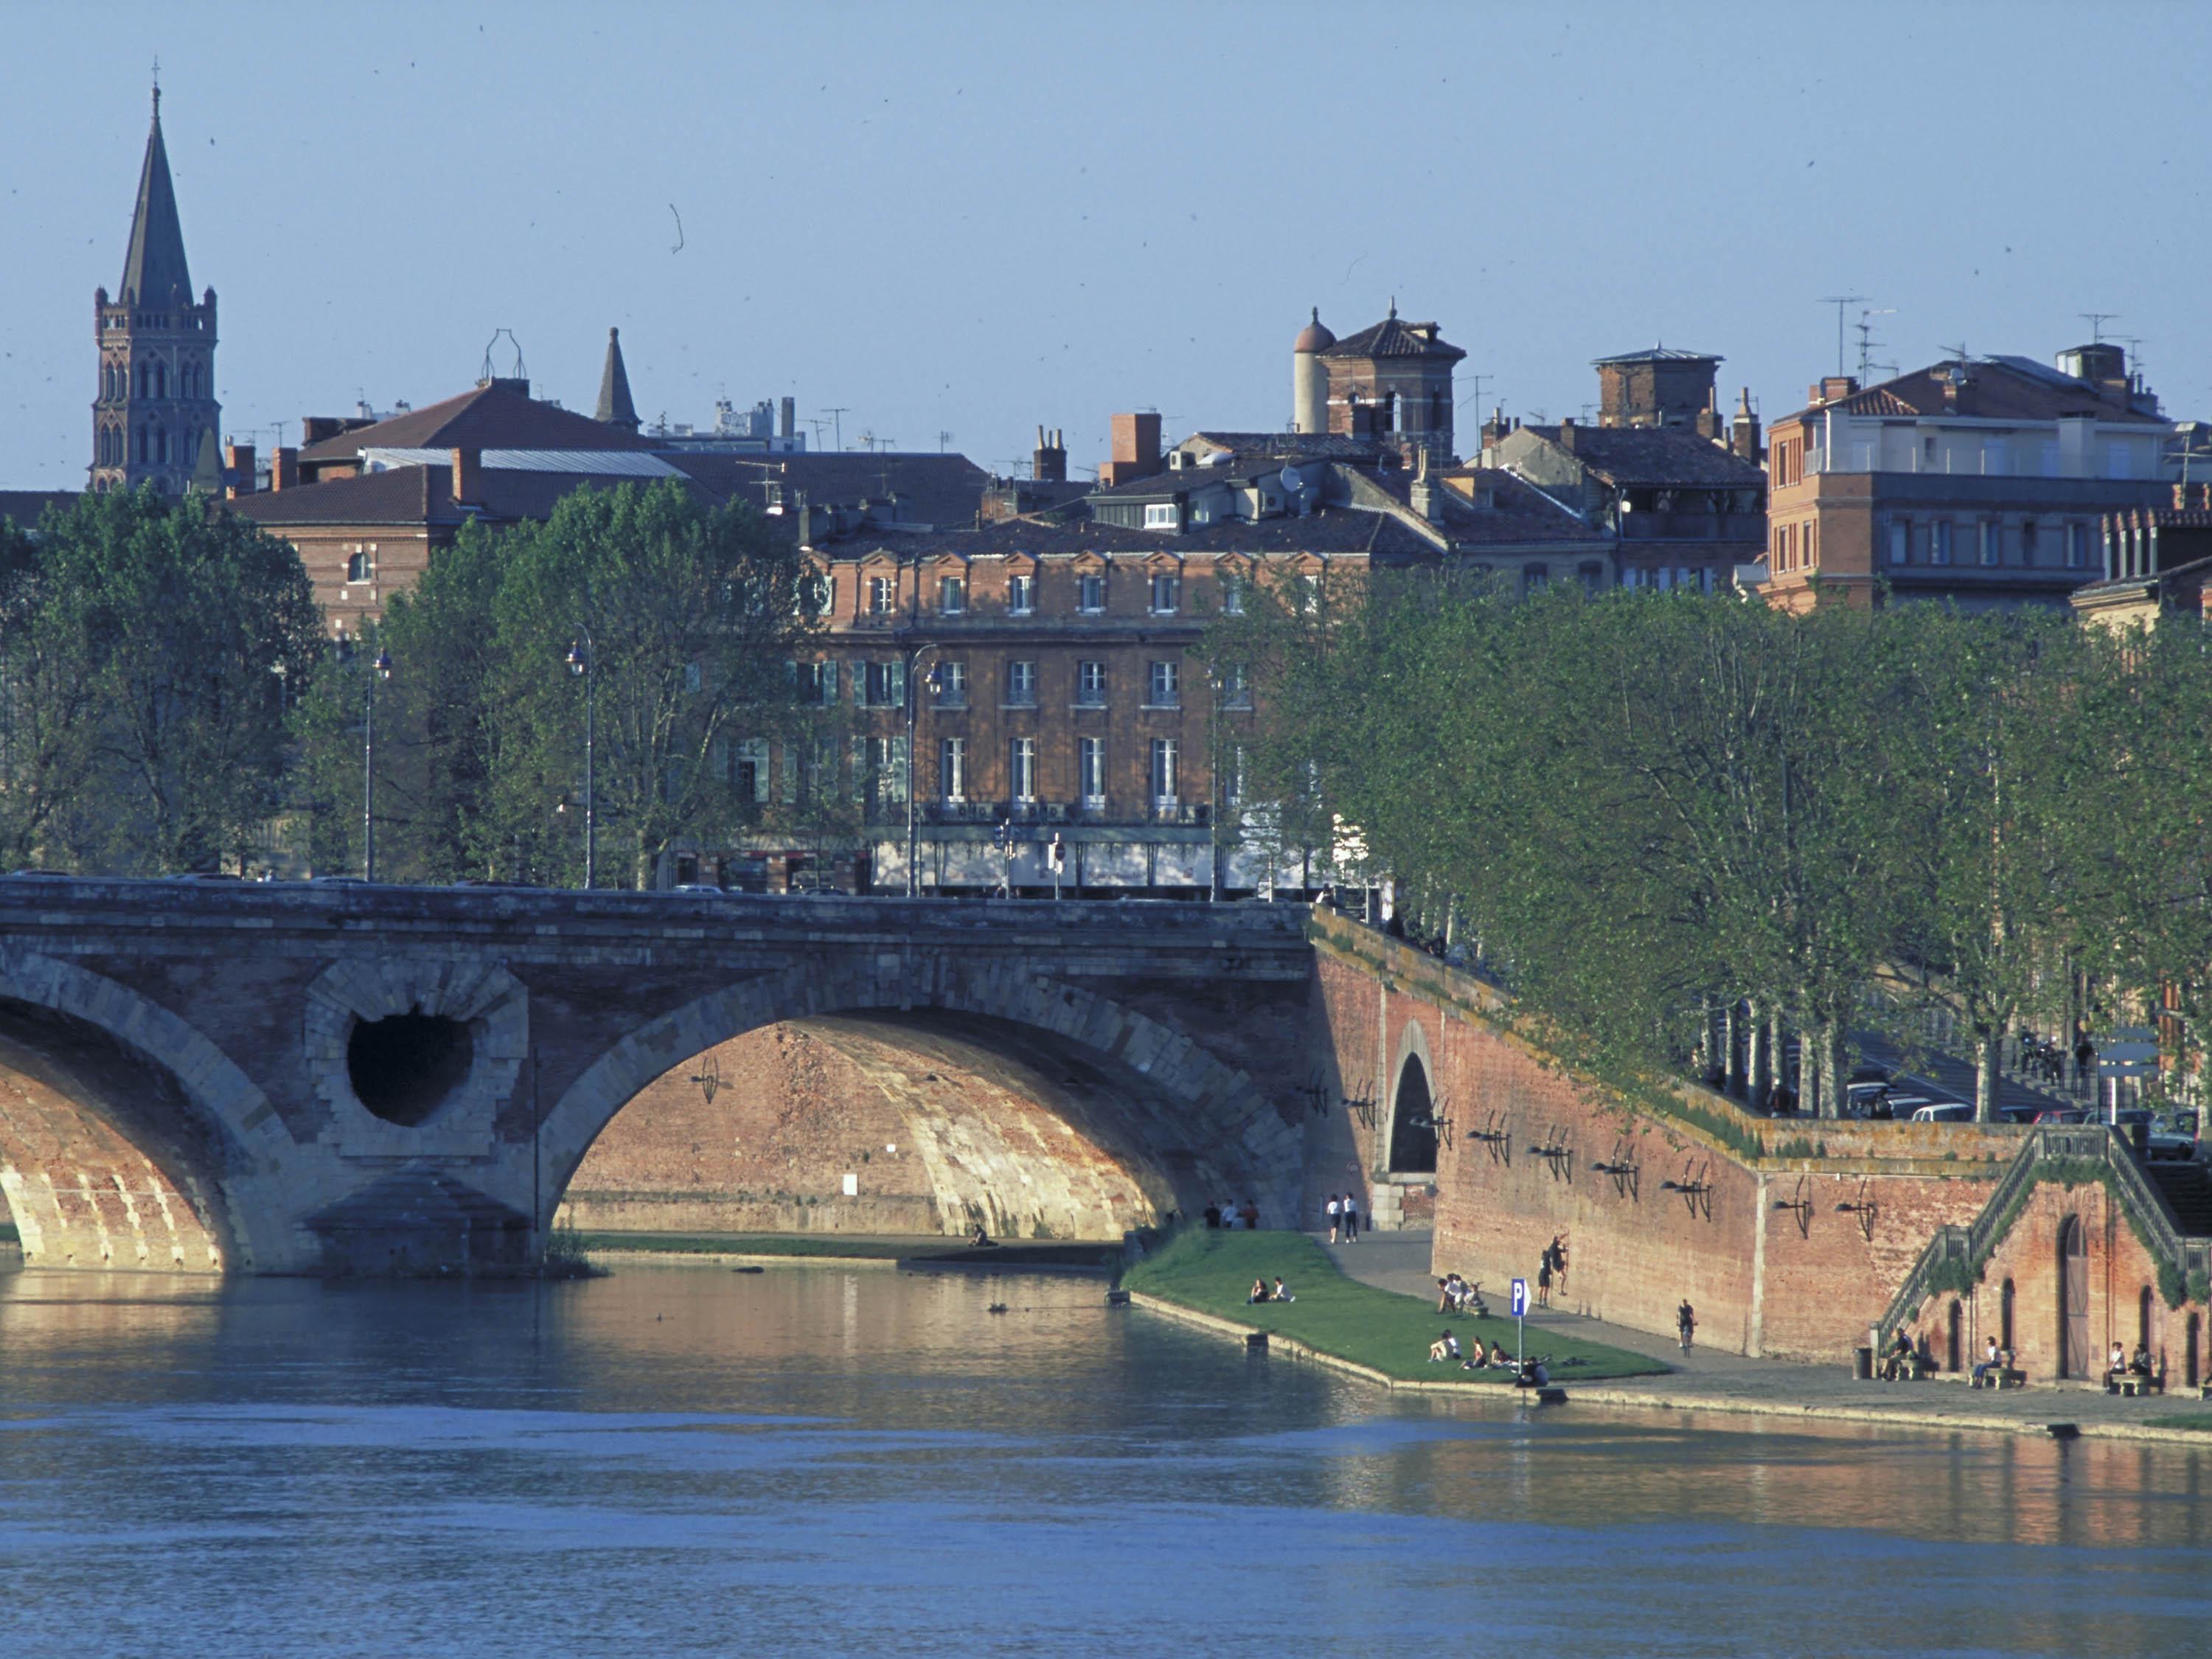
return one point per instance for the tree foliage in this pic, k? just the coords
(1646, 807)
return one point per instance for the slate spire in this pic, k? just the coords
(154, 269)
(615, 407)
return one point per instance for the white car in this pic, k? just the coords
(1944, 1112)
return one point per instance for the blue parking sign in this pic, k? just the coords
(1519, 1297)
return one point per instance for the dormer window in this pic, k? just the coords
(952, 595)
(1163, 515)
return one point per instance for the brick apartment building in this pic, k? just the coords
(1982, 481)
(1056, 667)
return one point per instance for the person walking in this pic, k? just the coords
(1686, 1323)
(1335, 1212)
(1351, 1219)
(1544, 1280)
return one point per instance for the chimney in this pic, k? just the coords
(1049, 463)
(1136, 449)
(468, 478)
(788, 418)
(1708, 420)
(1834, 388)
(1495, 428)
(237, 471)
(284, 468)
(1567, 433)
(1425, 498)
(1743, 431)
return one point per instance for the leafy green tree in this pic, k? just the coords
(181, 628)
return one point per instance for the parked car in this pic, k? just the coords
(1944, 1112)
(2062, 1115)
(2173, 1137)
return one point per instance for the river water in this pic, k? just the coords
(680, 1460)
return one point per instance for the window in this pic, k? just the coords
(891, 770)
(1090, 771)
(1991, 539)
(1090, 685)
(817, 595)
(1021, 768)
(1090, 592)
(1162, 515)
(883, 595)
(884, 688)
(748, 769)
(1167, 594)
(1233, 781)
(1021, 595)
(1996, 460)
(1534, 579)
(1310, 594)
(1232, 596)
(1235, 691)
(1900, 542)
(950, 682)
(358, 567)
(1164, 689)
(1939, 542)
(817, 681)
(1592, 577)
(1021, 685)
(1166, 754)
(2077, 546)
(952, 768)
(2028, 535)
(2050, 467)
(694, 677)
(2119, 461)
(952, 595)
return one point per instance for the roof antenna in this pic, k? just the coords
(1840, 300)
(2097, 321)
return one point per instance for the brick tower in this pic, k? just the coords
(156, 420)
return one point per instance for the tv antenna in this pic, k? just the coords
(519, 372)
(817, 423)
(1474, 397)
(2097, 321)
(1956, 353)
(1867, 342)
(943, 438)
(1841, 302)
(837, 419)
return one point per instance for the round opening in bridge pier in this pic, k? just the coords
(403, 1068)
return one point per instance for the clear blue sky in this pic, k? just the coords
(974, 219)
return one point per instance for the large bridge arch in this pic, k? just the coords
(1189, 1128)
(124, 1132)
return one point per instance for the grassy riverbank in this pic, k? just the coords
(1212, 1272)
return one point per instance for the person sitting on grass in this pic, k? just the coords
(1448, 1294)
(1259, 1292)
(1478, 1358)
(1436, 1349)
(1281, 1294)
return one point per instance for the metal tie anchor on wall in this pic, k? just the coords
(708, 1077)
(1496, 1134)
(1558, 1150)
(1800, 1203)
(1697, 1191)
(1628, 1175)
(1864, 1209)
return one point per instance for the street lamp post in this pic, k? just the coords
(582, 659)
(378, 670)
(912, 691)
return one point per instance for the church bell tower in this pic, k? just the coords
(156, 420)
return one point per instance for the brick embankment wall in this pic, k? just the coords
(938, 1134)
(1763, 1252)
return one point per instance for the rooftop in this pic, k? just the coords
(1998, 388)
(495, 414)
(414, 495)
(1659, 354)
(1393, 339)
(941, 490)
(1657, 458)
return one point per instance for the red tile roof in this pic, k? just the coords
(494, 417)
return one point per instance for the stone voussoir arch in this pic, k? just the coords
(1234, 1114)
(254, 1134)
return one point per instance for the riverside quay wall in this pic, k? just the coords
(1789, 1237)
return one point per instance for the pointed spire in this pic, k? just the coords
(155, 269)
(615, 407)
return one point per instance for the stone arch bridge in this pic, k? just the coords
(210, 1076)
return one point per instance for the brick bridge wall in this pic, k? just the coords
(177, 1086)
(1761, 1284)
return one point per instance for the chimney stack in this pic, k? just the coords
(284, 468)
(789, 418)
(238, 471)
(468, 478)
(1567, 433)
(1136, 449)
(1049, 463)
(1743, 431)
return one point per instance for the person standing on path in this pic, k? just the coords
(1544, 1280)
(1334, 1214)
(1351, 1219)
(1686, 1323)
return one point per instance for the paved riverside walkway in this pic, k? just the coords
(1708, 1379)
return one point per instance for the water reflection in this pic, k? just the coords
(678, 1460)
